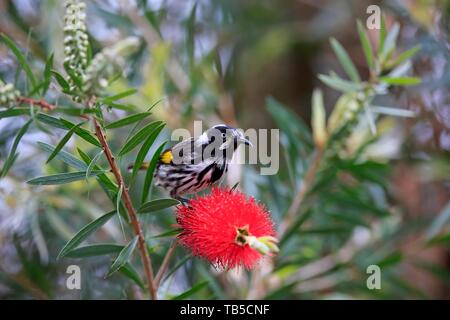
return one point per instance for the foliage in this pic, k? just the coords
(101, 105)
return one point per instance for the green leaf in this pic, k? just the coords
(345, 60)
(405, 56)
(63, 141)
(20, 58)
(138, 137)
(74, 77)
(94, 250)
(390, 42)
(191, 291)
(123, 256)
(128, 270)
(12, 153)
(119, 198)
(370, 119)
(339, 84)
(93, 163)
(382, 34)
(51, 121)
(61, 178)
(14, 112)
(170, 233)
(439, 240)
(149, 173)
(158, 204)
(365, 42)
(402, 81)
(61, 81)
(85, 232)
(145, 147)
(318, 121)
(128, 120)
(393, 111)
(47, 74)
(67, 125)
(103, 179)
(64, 156)
(119, 96)
(82, 133)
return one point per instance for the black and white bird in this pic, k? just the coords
(195, 164)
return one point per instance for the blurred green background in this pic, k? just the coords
(250, 64)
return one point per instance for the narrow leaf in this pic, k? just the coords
(47, 74)
(64, 156)
(51, 121)
(61, 81)
(365, 42)
(103, 179)
(158, 204)
(345, 60)
(170, 233)
(370, 120)
(130, 272)
(149, 173)
(20, 58)
(82, 133)
(123, 256)
(12, 153)
(119, 96)
(14, 112)
(145, 147)
(406, 55)
(191, 291)
(94, 250)
(393, 111)
(382, 34)
(138, 137)
(403, 81)
(61, 178)
(93, 163)
(85, 232)
(339, 84)
(318, 119)
(390, 42)
(63, 141)
(127, 120)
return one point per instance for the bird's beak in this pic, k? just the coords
(241, 138)
(245, 141)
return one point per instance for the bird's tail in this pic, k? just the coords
(144, 166)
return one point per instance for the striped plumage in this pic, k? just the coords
(193, 165)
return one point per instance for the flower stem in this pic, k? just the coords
(146, 260)
(307, 183)
(165, 263)
(41, 103)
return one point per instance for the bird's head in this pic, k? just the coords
(224, 137)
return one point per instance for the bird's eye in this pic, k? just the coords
(223, 135)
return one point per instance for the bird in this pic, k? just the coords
(197, 163)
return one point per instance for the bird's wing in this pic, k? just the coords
(187, 151)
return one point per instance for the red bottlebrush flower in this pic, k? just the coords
(226, 228)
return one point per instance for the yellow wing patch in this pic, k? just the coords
(166, 157)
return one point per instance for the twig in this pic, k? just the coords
(130, 209)
(165, 263)
(41, 103)
(307, 183)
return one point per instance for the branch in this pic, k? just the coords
(130, 209)
(41, 103)
(307, 183)
(165, 263)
